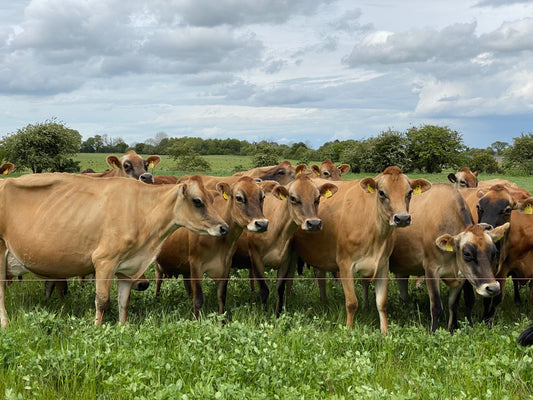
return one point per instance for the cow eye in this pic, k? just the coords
(293, 199)
(462, 183)
(409, 193)
(198, 203)
(382, 194)
(127, 165)
(507, 210)
(326, 173)
(239, 199)
(468, 256)
(281, 172)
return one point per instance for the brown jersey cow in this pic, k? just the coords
(444, 244)
(130, 165)
(358, 224)
(63, 225)
(190, 255)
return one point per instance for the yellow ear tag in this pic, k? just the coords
(151, 165)
(5, 172)
(225, 195)
(317, 173)
(115, 165)
(418, 190)
(370, 189)
(328, 194)
(449, 247)
(528, 209)
(299, 172)
(281, 197)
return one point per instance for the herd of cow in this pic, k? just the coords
(470, 235)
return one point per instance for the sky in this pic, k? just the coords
(287, 71)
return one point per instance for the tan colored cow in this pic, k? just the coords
(358, 224)
(443, 244)
(465, 178)
(297, 210)
(328, 170)
(63, 225)
(130, 165)
(190, 255)
(283, 173)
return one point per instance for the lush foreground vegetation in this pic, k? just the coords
(51, 350)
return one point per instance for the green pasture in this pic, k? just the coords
(51, 350)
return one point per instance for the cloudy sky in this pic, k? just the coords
(281, 70)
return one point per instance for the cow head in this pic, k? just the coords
(393, 192)
(476, 255)
(193, 209)
(464, 178)
(131, 165)
(303, 197)
(282, 173)
(246, 198)
(328, 170)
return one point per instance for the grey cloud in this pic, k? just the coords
(453, 42)
(510, 37)
(500, 3)
(236, 12)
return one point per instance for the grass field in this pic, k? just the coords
(51, 350)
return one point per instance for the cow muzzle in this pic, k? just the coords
(401, 220)
(219, 230)
(312, 224)
(488, 289)
(147, 178)
(258, 225)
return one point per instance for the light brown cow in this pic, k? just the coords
(282, 173)
(443, 244)
(465, 178)
(164, 180)
(272, 249)
(358, 224)
(130, 165)
(328, 170)
(63, 225)
(190, 255)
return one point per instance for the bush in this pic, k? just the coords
(484, 162)
(192, 162)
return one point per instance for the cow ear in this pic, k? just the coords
(525, 206)
(343, 168)
(328, 189)
(152, 161)
(499, 232)
(420, 186)
(182, 188)
(480, 193)
(446, 242)
(369, 185)
(300, 168)
(316, 169)
(268, 186)
(452, 178)
(114, 162)
(475, 173)
(6, 168)
(224, 190)
(280, 192)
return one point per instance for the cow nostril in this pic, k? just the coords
(224, 230)
(261, 225)
(146, 178)
(402, 220)
(313, 224)
(492, 290)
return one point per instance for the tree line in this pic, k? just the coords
(51, 146)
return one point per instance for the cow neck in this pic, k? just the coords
(384, 228)
(235, 230)
(162, 219)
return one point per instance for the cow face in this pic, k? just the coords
(303, 197)
(328, 170)
(464, 178)
(131, 165)
(476, 255)
(246, 198)
(496, 204)
(193, 209)
(282, 173)
(393, 192)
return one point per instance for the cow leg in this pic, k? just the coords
(365, 283)
(222, 290)
(124, 290)
(453, 304)
(286, 273)
(382, 279)
(197, 292)
(432, 284)
(258, 271)
(403, 287)
(158, 278)
(350, 298)
(3, 279)
(187, 284)
(490, 304)
(103, 289)
(516, 287)
(320, 279)
(470, 300)
(530, 291)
